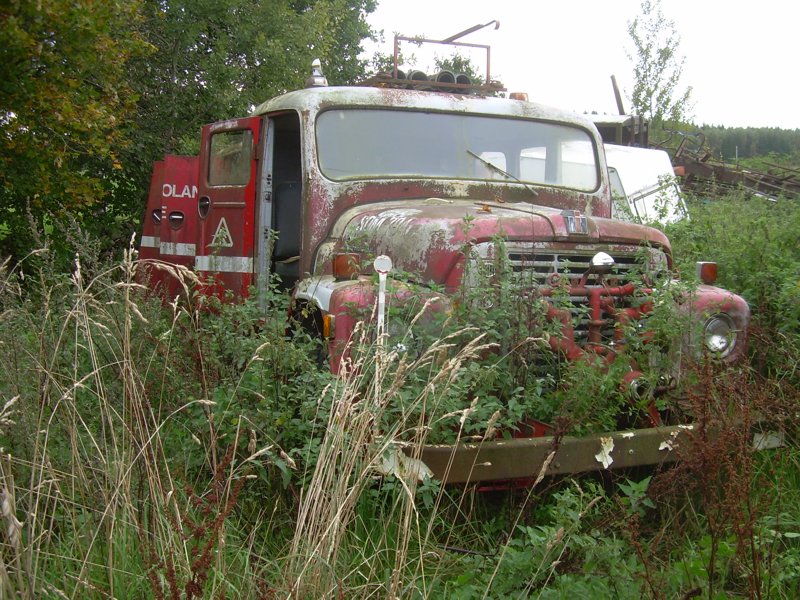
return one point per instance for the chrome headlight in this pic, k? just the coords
(480, 271)
(719, 335)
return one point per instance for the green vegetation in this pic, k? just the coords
(761, 145)
(754, 242)
(195, 449)
(657, 67)
(168, 450)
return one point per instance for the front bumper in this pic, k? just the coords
(524, 458)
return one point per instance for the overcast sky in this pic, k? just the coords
(741, 58)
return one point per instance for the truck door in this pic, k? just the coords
(226, 204)
(279, 224)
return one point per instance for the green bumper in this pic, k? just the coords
(524, 458)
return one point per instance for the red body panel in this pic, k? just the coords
(178, 192)
(426, 225)
(151, 231)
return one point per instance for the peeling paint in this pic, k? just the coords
(604, 456)
(672, 443)
(325, 200)
(319, 290)
(231, 124)
(628, 434)
(321, 98)
(404, 467)
(398, 219)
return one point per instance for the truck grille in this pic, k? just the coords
(536, 268)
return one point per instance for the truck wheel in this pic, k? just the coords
(307, 321)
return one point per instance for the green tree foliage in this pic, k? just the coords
(750, 142)
(64, 91)
(93, 93)
(657, 66)
(217, 59)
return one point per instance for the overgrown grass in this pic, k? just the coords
(166, 450)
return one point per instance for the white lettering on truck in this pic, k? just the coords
(170, 190)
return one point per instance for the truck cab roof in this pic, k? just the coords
(320, 98)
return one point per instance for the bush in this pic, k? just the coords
(754, 242)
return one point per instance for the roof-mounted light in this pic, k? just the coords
(317, 79)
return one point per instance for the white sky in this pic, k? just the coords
(741, 57)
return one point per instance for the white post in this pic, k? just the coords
(382, 264)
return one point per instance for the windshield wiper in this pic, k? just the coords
(497, 169)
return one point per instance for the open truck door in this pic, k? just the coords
(227, 192)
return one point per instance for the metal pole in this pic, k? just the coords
(382, 265)
(472, 29)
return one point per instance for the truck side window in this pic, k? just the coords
(230, 158)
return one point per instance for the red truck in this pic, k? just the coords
(399, 169)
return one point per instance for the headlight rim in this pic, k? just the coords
(731, 335)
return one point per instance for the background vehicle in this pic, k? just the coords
(644, 185)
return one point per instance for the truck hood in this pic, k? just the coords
(427, 236)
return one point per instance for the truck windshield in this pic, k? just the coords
(375, 143)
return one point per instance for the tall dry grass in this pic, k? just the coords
(334, 554)
(96, 501)
(89, 503)
(357, 449)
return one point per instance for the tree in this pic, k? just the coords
(91, 93)
(64, 94)
(217, 59)
(657, 66)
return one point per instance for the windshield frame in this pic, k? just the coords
(580, 134)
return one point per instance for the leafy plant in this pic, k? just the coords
(634, 496)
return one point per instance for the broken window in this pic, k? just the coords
(230, 158)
